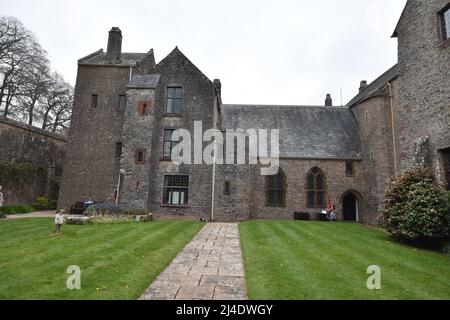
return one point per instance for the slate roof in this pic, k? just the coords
(374, 88)
(144, 81)
(99, 58)
(305, 131)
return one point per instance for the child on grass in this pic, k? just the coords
(59, 220)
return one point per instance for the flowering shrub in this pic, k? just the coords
(107, 209)
(414, 208)
(111, 210)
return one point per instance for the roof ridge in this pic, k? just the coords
(91, 55)
(367, 91)
(176, 50)
(283, 106)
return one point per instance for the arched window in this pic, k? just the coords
(276, 190)
(315, 189)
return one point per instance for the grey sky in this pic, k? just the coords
(264, 52)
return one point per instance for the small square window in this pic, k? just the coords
(122, 102)
(94, 101)
(140, 156)
(444, 17)
(144, 107)
(227, 188)
(349, 168)
(119, 147)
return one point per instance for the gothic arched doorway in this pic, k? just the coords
(350, 207)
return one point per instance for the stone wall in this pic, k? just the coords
(232, 204)
(137, 136)
(198, 104)
(30, 162)
(423, 111)
(91, 169)
(376, 135)
(296, 171)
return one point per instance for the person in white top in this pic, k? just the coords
(59, 220)
(1, 197)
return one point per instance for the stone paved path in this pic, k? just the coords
(210, 267)
(39, 214)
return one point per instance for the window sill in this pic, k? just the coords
(165, 159)
(172, 115)
(180, 206)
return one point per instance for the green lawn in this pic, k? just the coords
(117, 261)
(319, 260)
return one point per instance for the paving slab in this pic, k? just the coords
(210, 267)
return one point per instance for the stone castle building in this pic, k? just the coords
(127, 106)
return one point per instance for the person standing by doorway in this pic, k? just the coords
(331, 211)
(334, 214)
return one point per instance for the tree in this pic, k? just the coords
(18, 50)
(57, 107)
(29, 91)
(35, 87)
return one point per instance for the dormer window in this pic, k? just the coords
(174, 99)
(444, 17)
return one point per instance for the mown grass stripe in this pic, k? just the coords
(123, 258)
(328, 261)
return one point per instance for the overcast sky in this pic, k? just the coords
(264, 52)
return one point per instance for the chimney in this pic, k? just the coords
(328, 101)
(114, 45)
(363, 85)
(218, 85)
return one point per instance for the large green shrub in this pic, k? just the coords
(16, 209)
(40, 203)
(414, 208)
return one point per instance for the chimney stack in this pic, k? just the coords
(328, 101)
(363, 85)
(218, 85)
(114, 45)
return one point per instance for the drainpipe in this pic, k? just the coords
(394, 144)
(121, 172)
(131, 72)
(213, 183)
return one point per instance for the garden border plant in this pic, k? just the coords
(416, 210)
(110, 213)
(41, 203)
